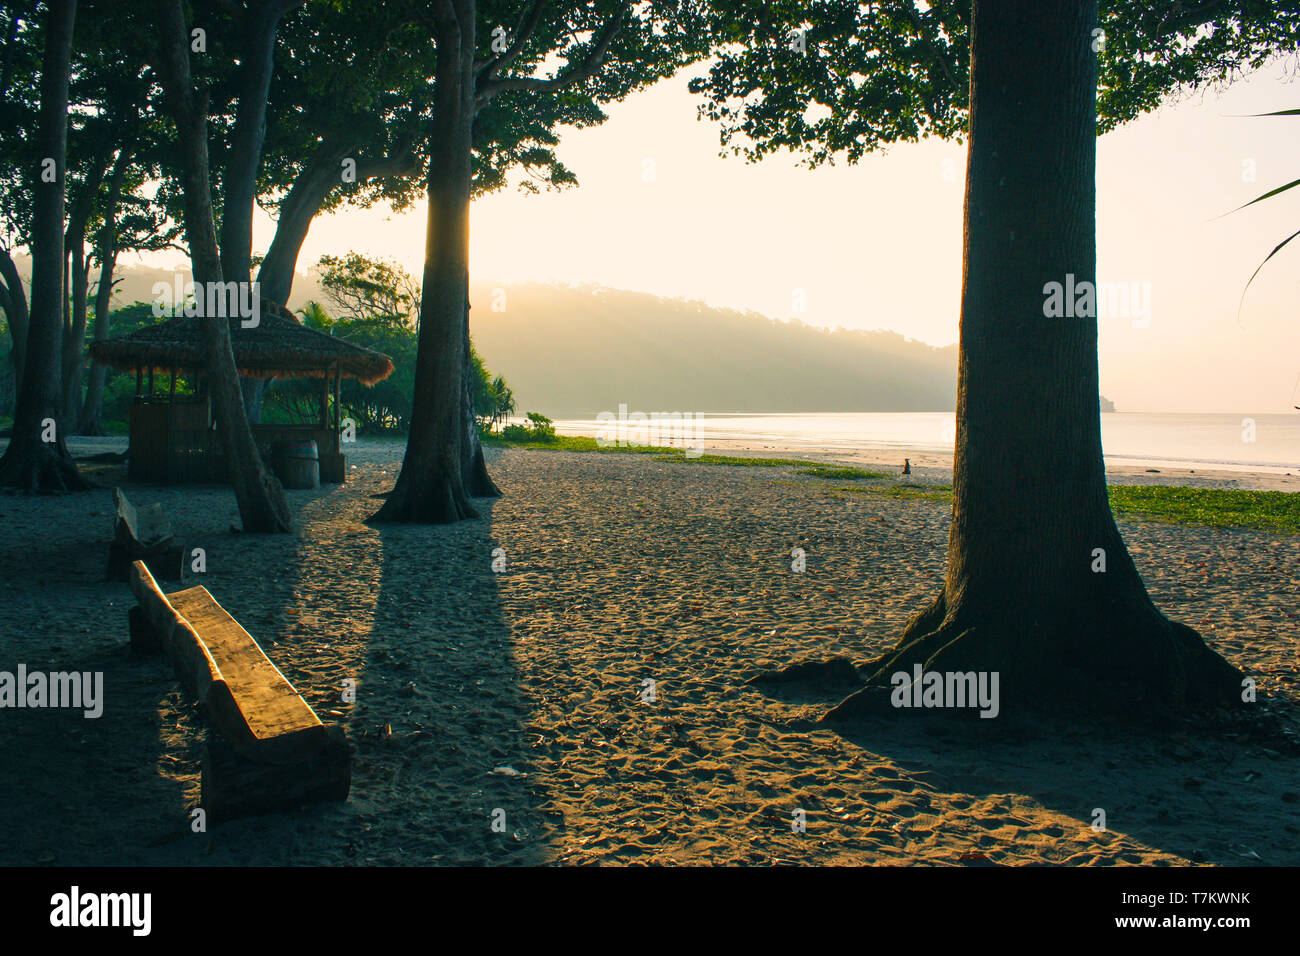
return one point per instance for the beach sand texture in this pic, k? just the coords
(522, 691)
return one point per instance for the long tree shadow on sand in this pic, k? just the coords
(396, 633)
(441, 759)
(411, 614)
(1226, 797)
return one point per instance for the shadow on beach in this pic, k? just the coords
(1222, 797)
(408, 613)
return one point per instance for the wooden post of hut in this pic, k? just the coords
(325, 400)
(338, 407)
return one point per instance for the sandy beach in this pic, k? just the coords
(526, 691)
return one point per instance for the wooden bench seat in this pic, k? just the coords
(143, 534)
(267, 749)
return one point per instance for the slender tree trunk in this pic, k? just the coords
(1025, 595)
(431, 487)
(74, 341)
(92, 411)
(16, 311)
(299, 209)
(6, 391)
(251, 390)
(478, 483)
(244, 155)
(263, 506)
(310, 190)
(74, 332)
(37, 457)
(65, 326)
(275, 274)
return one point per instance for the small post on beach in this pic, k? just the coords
(907, 466)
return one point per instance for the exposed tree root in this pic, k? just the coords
(267, 513)
(478, 482)
(838, 672)
(1127, 662)
(439, 501)
(40, 469)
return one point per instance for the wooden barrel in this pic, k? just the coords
(296, 463)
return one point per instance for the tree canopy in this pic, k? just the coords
(830, 79)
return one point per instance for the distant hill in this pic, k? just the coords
(576, 351)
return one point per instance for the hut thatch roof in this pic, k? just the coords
(277, 347)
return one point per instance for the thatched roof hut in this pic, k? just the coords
(277, 347)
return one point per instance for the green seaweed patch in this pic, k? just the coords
(581, 443)
(1277, 511)
(903, 490)
(731, 461)
(842, 473)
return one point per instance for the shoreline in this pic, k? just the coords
(930, 465)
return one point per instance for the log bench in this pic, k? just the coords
(143, 534)
(267, 750)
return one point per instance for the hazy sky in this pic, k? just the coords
(878, 245)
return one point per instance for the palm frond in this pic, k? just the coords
(1276, 250)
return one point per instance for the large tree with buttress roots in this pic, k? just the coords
(1039, 587)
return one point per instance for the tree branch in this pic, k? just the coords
(1181, 20)
(909, 7)
(524, 30)
(398, 163)
(587, 68)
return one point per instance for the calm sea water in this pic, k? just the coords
(1176, 440)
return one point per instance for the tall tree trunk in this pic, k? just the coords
(6, 390)
(92, 412)
(90, 422)
(263, 506)
(478, 483)
(431, 487)
(74, 331)
(1025, 595)
(251, 390)
(37, 457)
(244, 156)
(74, 340)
